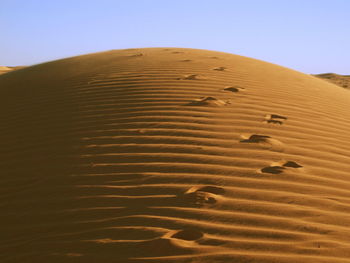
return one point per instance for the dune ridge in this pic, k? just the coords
(173, 155)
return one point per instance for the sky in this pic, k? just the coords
(311, 36)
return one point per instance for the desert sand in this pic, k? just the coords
(340, 80)
(4, 69)
(173, 155)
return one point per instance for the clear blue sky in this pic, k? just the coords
(312, 36)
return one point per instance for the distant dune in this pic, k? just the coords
(173, 155)
(4, 69)
(340, 80)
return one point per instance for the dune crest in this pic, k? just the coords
(173, 155)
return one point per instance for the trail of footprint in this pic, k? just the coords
(186, 60)
(275, 119)
(273, 169)
(275, 116)
(265, 141)
(292, 164)
(275, 122)
(277, 169)
(189, 77)
(256, 138)
(201, 196)
(208, 101)
(220, 68)
(233, 88)
(177, 52)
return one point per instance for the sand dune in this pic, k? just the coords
(4, 69)
(173, 155)
(340, 80)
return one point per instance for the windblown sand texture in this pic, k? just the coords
(340, 80)
(173, 155)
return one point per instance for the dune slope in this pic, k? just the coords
(173, 155)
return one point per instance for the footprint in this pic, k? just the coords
(256, 138)
(177, 52)
(186, 60)
(199, 198)
(292, 164)
(189, 77)
(203, 195)
(275, 116)
(188, 234)
(220, 68)
(137, 55)
(273, 169)
(275, 122)
(265, 142)
(275, 119)
(233, 88)
(208, 101)
(214, 57)
(277, 169)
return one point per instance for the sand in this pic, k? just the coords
(4, 69)
(173, 155)
(340, 80)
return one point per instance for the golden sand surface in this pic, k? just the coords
(173, 155)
